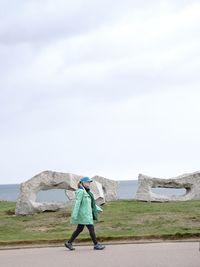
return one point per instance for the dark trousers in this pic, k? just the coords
(80, 228)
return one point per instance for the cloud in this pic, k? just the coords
(139, 50)
(43, 21)
(113, 92)
(151, 133)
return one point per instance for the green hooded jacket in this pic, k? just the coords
(82, 212)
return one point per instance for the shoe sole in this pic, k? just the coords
(69, 247)
(99, 248)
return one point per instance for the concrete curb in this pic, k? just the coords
(115, 242)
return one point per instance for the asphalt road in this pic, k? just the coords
(183, 254)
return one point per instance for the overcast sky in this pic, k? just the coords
(99, 87)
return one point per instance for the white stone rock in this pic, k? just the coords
(109, 187)
(27, 204)
(190, 182)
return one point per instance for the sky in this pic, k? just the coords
(109, 88)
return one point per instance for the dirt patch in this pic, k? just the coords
(41, 229)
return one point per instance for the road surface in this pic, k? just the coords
(174, 254)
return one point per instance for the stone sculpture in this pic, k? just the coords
(104, 190)
(191, 183)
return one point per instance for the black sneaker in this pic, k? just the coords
(69, 245)
(99, 247)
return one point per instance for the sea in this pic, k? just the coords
(126, 190)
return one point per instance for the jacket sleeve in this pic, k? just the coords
(98, 208)
(79, 197)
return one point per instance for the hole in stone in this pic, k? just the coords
(51, 195)
(169, 191)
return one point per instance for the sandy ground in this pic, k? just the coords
(174, 254)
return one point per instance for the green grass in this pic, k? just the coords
(121, 219)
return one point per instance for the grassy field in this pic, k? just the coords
(121, 219)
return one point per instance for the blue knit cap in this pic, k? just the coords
(85, 180)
